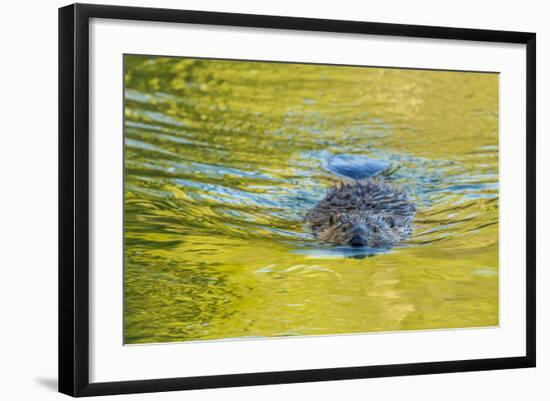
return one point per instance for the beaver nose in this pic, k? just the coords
(357, 240)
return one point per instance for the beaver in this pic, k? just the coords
(368, 212)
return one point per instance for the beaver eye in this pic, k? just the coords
(375, 229)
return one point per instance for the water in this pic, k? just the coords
(223, 160)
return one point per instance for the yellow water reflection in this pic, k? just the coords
(224, 158)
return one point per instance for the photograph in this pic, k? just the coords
(268, 199)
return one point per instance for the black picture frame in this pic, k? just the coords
(74, 198)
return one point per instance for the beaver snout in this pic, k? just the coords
(358, 237)
(358, 240)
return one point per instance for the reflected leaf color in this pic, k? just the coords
(223, 159)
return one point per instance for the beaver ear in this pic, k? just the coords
(390, 221)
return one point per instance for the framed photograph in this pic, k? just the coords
(250, 199)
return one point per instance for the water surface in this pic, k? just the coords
(223, 159)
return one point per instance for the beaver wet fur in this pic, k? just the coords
(362, 213)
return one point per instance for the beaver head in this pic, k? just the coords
(359, 229)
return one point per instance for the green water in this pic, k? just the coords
(223, 159)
